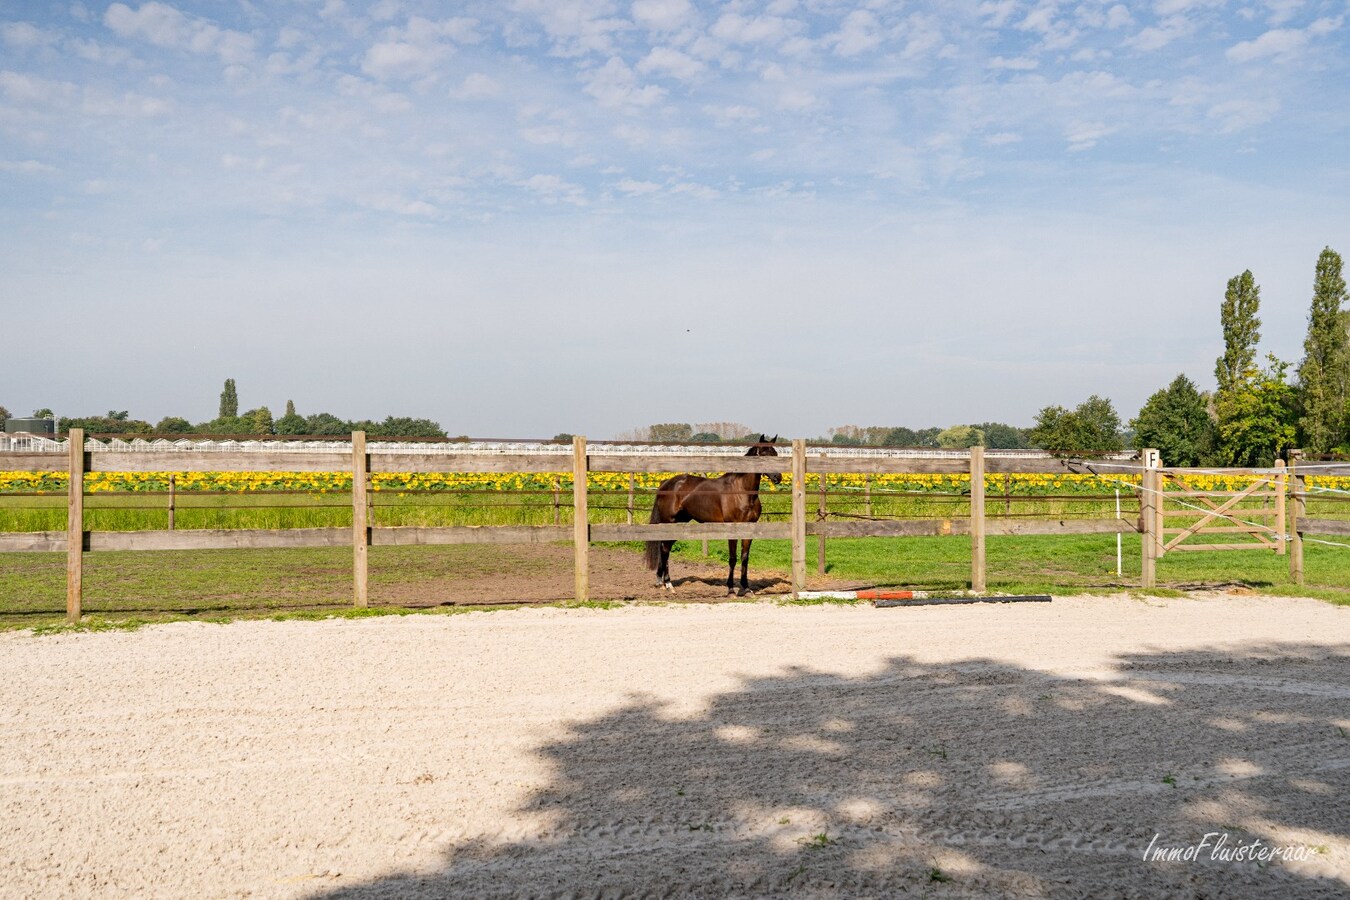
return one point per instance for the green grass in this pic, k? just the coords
(124, 589)
(1048, 564)
(218, 585)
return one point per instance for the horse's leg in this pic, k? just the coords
(731, 571)
(666, 547)
(745, 564)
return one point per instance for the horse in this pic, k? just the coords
(733, 497)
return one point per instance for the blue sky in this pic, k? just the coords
(532, 216)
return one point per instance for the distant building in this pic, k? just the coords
(29, 425)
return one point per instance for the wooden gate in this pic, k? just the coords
(1223, 512)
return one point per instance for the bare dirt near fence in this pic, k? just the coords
(733, 750)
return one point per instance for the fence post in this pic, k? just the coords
(1148, 519)
(798, 516)
(173, 498)
(632, 484)
(1297, 512)
(581, 529)
(977, 571)
(75, 526)
(1281, 494)
(867, 494)
(557, 509)
(821, 509)
(360, 522)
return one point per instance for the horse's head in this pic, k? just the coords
(764, 447)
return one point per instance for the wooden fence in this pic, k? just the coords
(363, 460)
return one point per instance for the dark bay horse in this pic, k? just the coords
(733, 497)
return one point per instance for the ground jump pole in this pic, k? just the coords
(798, 517)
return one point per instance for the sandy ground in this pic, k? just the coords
(736, 750)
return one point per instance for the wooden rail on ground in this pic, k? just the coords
(364, 459)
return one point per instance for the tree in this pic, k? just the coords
(291, 423)
(260, 420)
(173, 425)
(326, 423)
(908, 437)
(726, 431)
(844, 439)
(1321, 374)
(1241, 330)
(402, 426)
(998, 436)
(115, 422)
(958, 437)
(670, 432)
(229, 401)
(43, 414)
(1256, 419)
(563, 436)
(1175, 421)
(707, 437)
(4, 416)
(1092, 425)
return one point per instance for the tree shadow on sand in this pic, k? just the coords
(970, 779)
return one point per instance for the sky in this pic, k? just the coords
(526, 217)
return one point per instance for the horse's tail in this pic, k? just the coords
(654, 547)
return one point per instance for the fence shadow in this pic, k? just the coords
(971, 779)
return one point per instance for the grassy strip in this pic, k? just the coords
(1049, 564)
(128, 588)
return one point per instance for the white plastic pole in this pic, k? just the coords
(1117, 533)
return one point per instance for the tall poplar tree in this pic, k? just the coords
(1321, 374)
(1241, 331)
(229, 401)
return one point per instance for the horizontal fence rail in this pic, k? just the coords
(361, 459)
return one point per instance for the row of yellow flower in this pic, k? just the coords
(1029, 484)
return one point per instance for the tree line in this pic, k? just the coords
(256, 422)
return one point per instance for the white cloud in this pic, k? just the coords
(672, 62)
(735, 28)
(1281, 43)
(1155, 37)
(402, 206)
(1018, 63)
(638, 188)
(996, 15)
(1239, 115)
(577, 27)
(553, 189)
(26, 167)
(615, 85)
(857, 34)
(797, 100)
(36, 91)
(732, 115)
(1085, 135)
(418, 48)
(22, 34)
(165, 26)
(477, 86)
(662, 15)
(1282, 11)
